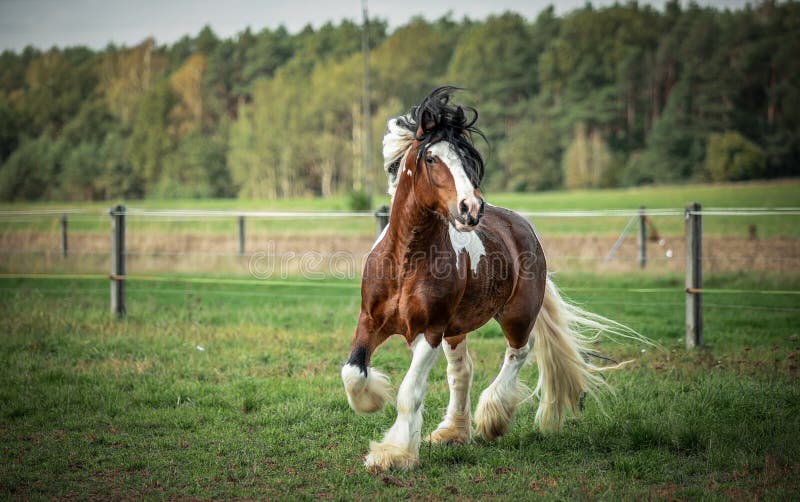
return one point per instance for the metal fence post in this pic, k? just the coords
(64, 234)
(381, 218)
(241, 235)
(118, 261)
(694, 276)
(642, 238)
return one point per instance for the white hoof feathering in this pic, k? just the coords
(455, 427)
(499, 400)
(366, 394)
(399, 448)
(495, 409)
(455, 430)
(386, 456)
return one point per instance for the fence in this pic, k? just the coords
(642, 220)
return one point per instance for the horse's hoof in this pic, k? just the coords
(495, 410)
(492, 416)
(453, 430)
(449, 436)
(386, 456)
(366, 394)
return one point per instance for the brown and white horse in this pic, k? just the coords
(445, 265)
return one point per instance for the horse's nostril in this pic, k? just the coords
(462, 207)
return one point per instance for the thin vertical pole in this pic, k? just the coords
(118, 261)
(241, 235)
(366, 102)
(64, 247)
(642, 238)
(694, 276)
(381, 218)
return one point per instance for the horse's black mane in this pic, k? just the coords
(443, 121)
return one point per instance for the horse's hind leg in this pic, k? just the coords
(455, 427)
(499, 400)
(399, 448)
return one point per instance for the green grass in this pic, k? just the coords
(780, 193)
(98, 408)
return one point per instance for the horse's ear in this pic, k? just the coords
(426, 122)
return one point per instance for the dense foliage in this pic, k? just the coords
(623, 95)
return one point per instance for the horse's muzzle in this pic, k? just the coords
(470, 212)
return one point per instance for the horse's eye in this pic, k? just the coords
(430, 160)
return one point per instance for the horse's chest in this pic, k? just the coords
(464, 281)
(420, 303)
(437, 304)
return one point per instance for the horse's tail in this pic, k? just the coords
(562, 338)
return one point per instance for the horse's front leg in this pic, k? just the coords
(367, 388)
(455, 427)
(399, 447)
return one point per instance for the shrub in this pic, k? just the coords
(359, 200)
(732, 157)
(588, 161)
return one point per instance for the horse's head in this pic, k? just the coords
(442, 184)
(446, 168)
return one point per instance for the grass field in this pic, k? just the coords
(782, 193)
(230, 389)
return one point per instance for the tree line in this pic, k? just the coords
(600, 97)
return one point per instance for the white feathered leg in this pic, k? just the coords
(399, 448)
(497, 403)
(455, 427)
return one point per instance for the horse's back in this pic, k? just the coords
(515, 230)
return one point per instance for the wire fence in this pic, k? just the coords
(273, 247)
(93, 219)
(179, 233)
(606, 239)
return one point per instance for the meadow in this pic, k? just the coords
(224, 386)
(231, 390)
(781, 193)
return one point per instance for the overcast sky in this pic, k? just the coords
(44, 23)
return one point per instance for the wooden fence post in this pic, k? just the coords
(694, 276)
(381, 218)
(118, 261)
(64, 234)
(241, 235)
(642, 238)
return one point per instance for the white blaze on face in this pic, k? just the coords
(448, 156)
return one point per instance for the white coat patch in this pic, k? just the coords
(469, 241)
(380, 238)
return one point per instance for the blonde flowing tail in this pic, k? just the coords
(562, 338)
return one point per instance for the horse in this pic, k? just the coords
(446, 264)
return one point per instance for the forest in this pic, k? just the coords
(600, 97)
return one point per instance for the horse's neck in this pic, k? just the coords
(412, 227)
